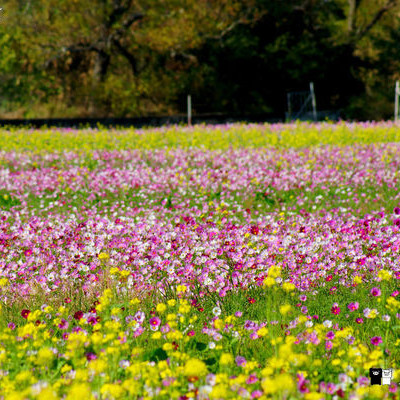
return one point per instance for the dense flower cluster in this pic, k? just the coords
(140, 264)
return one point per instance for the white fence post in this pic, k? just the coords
(189, 110)
(313, 100)
(396, 102)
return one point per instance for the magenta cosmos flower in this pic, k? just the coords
(376, 340)
(335, 310)
(11, 325)
(375, 291)
(78, 315)
(154, 323)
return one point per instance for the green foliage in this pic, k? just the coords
(131, 58)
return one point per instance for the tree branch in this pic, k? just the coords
(378, 15)
(129, 56)
(137, 16)
(241, 21)
(353, 7)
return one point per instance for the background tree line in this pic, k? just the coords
(99, 58)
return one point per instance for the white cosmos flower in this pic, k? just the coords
(327, 323)
(216, 311)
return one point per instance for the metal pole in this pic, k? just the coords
(289, 107)
(189, 109)
(314, 102)
(396, 102)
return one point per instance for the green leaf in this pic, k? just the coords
(159, 355)
(210, 361)
(200, 346)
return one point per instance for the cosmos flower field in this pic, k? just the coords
(227, 262)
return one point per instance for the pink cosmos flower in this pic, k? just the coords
(63, 324)
(138, 332)
(251, 379)
(240, 361)
(353, 306)
(165, 328)
(238, 314)
(302, 384)
(393, 387)
(328, 345)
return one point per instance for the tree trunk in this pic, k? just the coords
(102, 62)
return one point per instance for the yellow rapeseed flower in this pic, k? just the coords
(269, 281)
(103, 256)
(314, 396)
(195, 367)
(285, 308)
(23, 376)
(226, 359)
(280, 383)
(80, 391)
(274, 271)
(384, 275)
(48, 394)
(181, 289)
(44, 356)
(171, 303)
(288, 287)
(113, 390)
(262, 332)
(218, 324)
(3, 282)
(134, 302)
(156, 335)
(219, 391)
(161, 308)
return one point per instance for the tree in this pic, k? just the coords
(96, 40)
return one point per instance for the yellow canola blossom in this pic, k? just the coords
(280, 383)
(195, 367)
